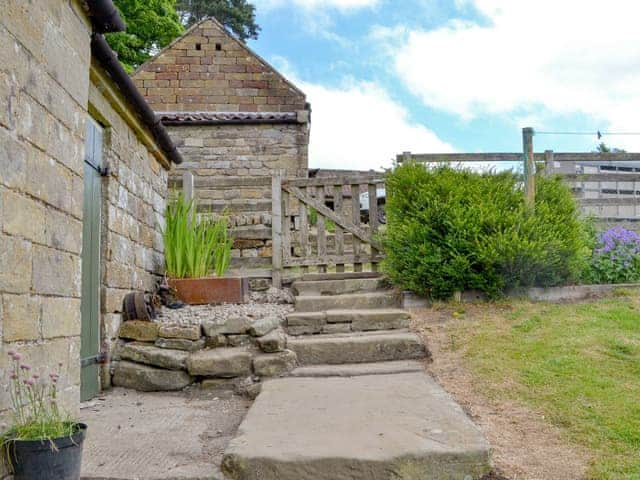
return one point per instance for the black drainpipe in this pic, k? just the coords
(102, 52)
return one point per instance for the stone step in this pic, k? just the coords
(358, 301)
(338, 286)
(371, 427)
(334, 321)
(379, 346)
(359, 369)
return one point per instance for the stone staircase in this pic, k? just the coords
(359, 405)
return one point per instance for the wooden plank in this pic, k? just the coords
(222, 181)
(516, 157)
(188, 186)
(602, 177)
(330, 260)
(605, 202)
(304, 229)
(321, 229)
(340, 275)
(339, 232)
(355, 218)
(350, 227)
(217, 206)
(340, 180)
(373, 217)
(529, 168)
(276, 228)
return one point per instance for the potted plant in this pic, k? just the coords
(43, 443)
(194, 247)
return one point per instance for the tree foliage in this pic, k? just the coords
(151, 25)
(237, 15)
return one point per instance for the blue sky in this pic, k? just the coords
(385, 76)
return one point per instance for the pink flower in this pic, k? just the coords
(17, 356)
(11, 353)
(36, 376)
(25, 367)
(29, 382)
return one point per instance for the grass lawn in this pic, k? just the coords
(578, 364)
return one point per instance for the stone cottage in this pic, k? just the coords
(83, 180)
(236, 121)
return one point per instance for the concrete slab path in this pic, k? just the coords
(378, 427)
(159, 436)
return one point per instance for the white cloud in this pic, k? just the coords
(557, 57)
(361, 127)
(313, 4)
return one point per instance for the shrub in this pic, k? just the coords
(450, 230)
(616, 258)
(193, 246)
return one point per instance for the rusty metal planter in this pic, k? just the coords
(211, 290)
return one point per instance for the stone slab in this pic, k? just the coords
(369, 300)
(139, 330)
(358, 347)
(275, 341)
(336, 286)
(149, 379)
(180, 344)
(262, 326)
(359, 369)
(152, 355)
(187, 332)
(377, 427)
(220, 362)
(274, 364)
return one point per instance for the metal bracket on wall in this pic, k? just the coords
(100, 358)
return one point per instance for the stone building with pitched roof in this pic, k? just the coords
(232, 116)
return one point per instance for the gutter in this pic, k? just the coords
(104, 16)
(102, 52)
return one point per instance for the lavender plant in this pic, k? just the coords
(34, 401)
(616, 258)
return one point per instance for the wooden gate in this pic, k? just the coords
(318, 226)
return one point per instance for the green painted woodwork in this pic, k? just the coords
(90, 307)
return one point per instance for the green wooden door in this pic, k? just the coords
(90, 339)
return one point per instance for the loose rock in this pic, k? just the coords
(220, 362)
(188, 332)
(264, 325)
(216, 341)
(275, 341)
(149, 379)
(139, 330)
(180, 344)
(152, 355)
(236, 325)
(238, 340)
(274, 364)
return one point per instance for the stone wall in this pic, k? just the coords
(208, 70)
(134, 198)
(44, 87)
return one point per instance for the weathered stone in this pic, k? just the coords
(216, 341)
(264, 325)
(274, 364)
(275, 341)
(152, 355)
(56, 272)
(247, 387)
(217, 383)
(149, 379)
(60, 317)
(220, 362)
(238, 340)
(237, 325)
(23, 216)
(139, 330)
(188, 332)
(16, 263)
(180, 344)
(367, 300)
(336, 328)
(21, 317)
(259, 284)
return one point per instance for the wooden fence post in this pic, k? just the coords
(549, 166)
(187, 186)
(276, 229)
(529, 167)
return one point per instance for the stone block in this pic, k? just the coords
(264, 325)
(275, 341)
(139, 330)
(13, 161)
(180, 344)
(220, 362)
(149, 379)
(62, 231)
(56, 272)
(187, 332)
(21, 317)
(336, 328)
(16, 257)
(23, 216)
(237, 325)
(60, 317)
(238, 340)
(216, 341)
(151, 355)
(274, 364)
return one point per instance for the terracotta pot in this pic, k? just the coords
(211, 290)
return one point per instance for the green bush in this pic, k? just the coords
(451, 230)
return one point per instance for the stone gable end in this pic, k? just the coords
(209, 70)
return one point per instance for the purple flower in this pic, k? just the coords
(29, 382)
(25, 367)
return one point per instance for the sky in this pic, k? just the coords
(436, 76)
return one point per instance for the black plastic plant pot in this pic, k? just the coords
(55, 459)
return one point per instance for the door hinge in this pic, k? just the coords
(100, 358)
